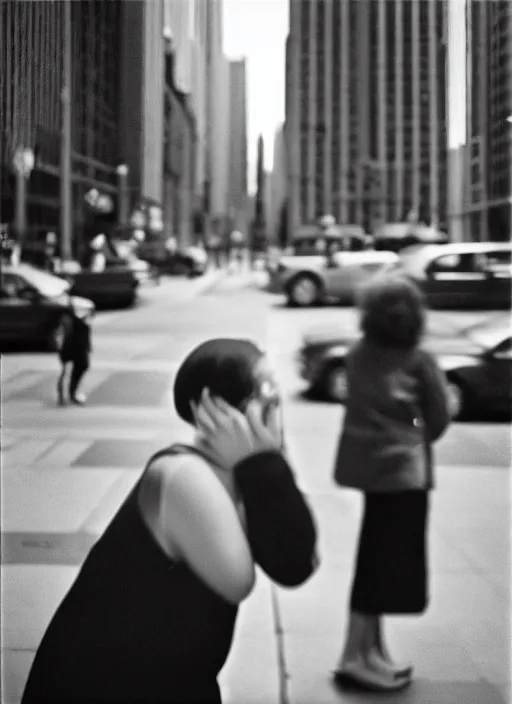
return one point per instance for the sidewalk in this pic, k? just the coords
(460, 647)
(287, 641)
(172, 291)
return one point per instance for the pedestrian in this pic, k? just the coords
(151, 615)
(396, 408)
(74, 356)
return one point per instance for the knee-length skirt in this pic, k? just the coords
(391, 575)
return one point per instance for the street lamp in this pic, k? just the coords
(123, 196)
(23, 163)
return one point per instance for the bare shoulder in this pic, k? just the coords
(183, 474)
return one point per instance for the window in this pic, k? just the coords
(457, 266)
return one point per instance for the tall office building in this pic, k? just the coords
(237, 204)
(142, 99)
(32, 36)
(217, 115)
(489, 134)
(277, 185)
(366, 110)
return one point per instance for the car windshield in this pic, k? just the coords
(46, 284)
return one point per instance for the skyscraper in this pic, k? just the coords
(116, 67)
(277, 185)
(366, 110)
(238, 144)
(489, 134)
(217, 113)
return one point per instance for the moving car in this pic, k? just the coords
(461, 275)
(477, 364)
(35, 306)
(307, 281)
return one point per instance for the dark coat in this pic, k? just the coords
(77, 341)
(396, 408)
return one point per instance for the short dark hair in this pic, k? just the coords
(392, 311)
(225, 366)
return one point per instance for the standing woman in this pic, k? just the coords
(396, 408)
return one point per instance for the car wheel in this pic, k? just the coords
(303, 291)
(336, 384)
(57, 334)
(458, 400)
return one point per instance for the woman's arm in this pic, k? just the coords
(200, 520)
(434, 397)
(280, 526)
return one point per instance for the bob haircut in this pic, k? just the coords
(225, 366)
(392, 311)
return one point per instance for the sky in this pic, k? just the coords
(257, 29)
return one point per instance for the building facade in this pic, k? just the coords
(180, 144)
(278, 185)
(366, 111)
(142, 100)
(116, 105)
(217, 118)
(487, 206)
(237, 199)
(31, 68)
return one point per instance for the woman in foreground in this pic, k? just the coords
(152, 612)
(396, 408)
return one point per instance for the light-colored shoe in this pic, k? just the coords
(376, 661)
(78, 399)
(362, 677)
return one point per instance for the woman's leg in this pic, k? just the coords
(355, 643)
(80, 366)
(61, 400)
(379, 654)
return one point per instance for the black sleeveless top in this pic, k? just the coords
(135, 625)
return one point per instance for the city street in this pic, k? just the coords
(66, 470)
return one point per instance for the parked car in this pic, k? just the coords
(143, 271)
(115, 287)
(307, 281)
(395, 236)
(461, 275)
(477, 363)
(35, 306)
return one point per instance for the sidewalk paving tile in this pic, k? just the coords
(132, 389)
(15, 668)
(251, 673)
(20, 382)
(62, 454)
(97, 521)
(118, 453)
(50, 548)
(25, 452)
(51, 501)
(30, 597)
